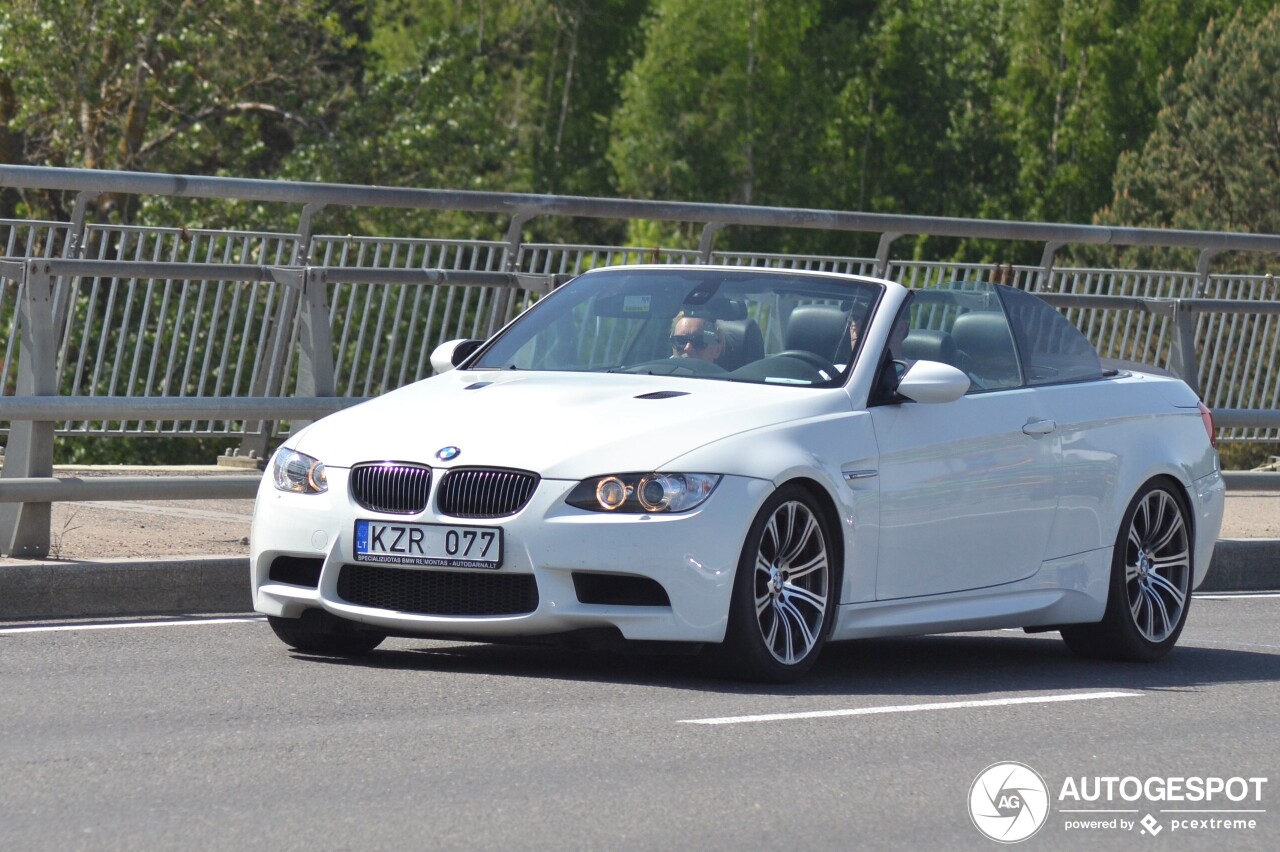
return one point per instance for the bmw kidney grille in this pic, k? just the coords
(477, 493)
(391, 487)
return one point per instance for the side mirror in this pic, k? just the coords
(932, 381)
(451, 353)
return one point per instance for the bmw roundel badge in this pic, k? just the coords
(448, 453)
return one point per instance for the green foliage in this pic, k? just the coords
(717, 108)
(1215, 149)
(973, 108)
(1247, 455)
(166, 85)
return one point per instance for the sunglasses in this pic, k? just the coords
(700, 341)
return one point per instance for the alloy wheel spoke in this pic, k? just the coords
(794, 617)
(1135, 603)
(1159, 609)
(788, 650)
(796, 543)
(1178, 596)
(814, 599)
(1151, 610)
(819, 561)
(1174, 530)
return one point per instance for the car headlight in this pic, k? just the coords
(643, 492)
(299, 473)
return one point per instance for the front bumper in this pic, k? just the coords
(693, 556)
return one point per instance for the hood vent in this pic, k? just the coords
(662, 394)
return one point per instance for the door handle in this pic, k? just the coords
(1039, 427)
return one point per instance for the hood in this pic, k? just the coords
(560, 425)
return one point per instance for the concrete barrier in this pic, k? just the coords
(52, 589)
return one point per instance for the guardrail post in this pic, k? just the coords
(270, 378)
(1183, 358)
(510, 263)
(707, 243)
(1182, 350)
(1046, 266)
(1202, 271)
(25, 527)
(315, 340)
(882, 253)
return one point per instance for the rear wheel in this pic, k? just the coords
(784, 593)
(1150, 582)
(318, 632)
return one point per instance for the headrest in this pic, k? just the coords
(817, 328)
(924, 344)
(982, 333)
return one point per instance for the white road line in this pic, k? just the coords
(122, 625)
(1186, 640)
(1235, 596)
(910, 708)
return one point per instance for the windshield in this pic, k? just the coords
(746, 325)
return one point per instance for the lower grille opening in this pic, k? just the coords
(619, 590)
(296, 570)
(438, 592)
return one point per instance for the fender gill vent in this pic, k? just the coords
(477, 385)
(662, 394)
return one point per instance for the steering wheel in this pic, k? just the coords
(813, 359)
(675, 367)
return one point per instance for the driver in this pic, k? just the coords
(696, 337)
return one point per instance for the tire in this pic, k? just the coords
(784, 592)
(319, 633)
(1150, 589)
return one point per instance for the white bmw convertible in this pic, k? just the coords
(752, 463)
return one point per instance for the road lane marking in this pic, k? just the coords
(1235, 596)
(122, 625)
(910, 708)
(1185, 640)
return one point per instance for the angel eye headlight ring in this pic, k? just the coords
(643, 493)
(612, 493)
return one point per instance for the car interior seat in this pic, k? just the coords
(743, 343)
(987, 344)
(821, 329)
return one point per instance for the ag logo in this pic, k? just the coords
(448, 453)
(1008, 802)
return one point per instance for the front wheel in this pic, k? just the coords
(1150, 583)
(784, 593)
(318, 633)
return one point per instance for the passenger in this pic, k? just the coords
(696, 337)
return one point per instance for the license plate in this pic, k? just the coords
(438, 545)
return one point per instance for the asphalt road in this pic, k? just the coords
(212, 735)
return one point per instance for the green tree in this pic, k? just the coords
(719, 106)
(1081, 89)
(172, 85)
(913, 129)
(1213, 159)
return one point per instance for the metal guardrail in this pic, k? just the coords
(178, 331)
(27, 485)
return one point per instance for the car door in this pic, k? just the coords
(968, 490)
